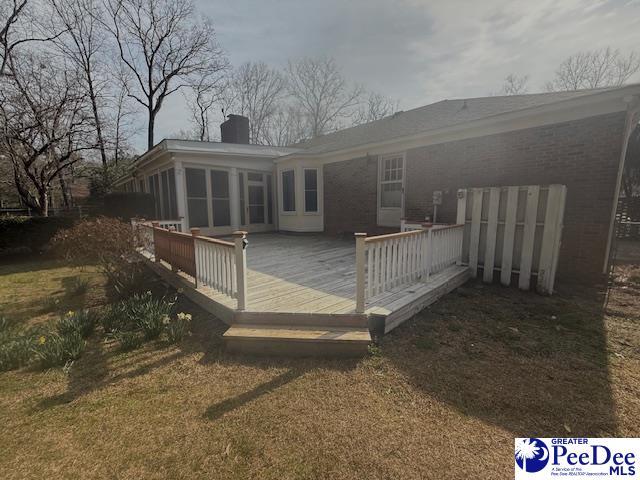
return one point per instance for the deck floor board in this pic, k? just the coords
(313, 274)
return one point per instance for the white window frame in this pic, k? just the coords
(295, 200)
(304, 191)
(385, 214)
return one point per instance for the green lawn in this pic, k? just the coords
(443, 396)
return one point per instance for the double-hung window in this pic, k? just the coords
(392, 172)
(310, 190)
(288, 191)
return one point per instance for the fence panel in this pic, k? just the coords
(513, 230)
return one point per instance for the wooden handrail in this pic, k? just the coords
(217, 241)
(448, 227)
(388, 236)
(164, 230)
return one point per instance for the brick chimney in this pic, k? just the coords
(235, 129)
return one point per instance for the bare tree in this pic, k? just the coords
(206, 93)
(594, 69)
(11, 11)
(18, 26)
(162, 44)
(83, 44)
(374, 107)
(45, 121)
(321, 93)
(285, 127)
(122, 124)
(256, 91)
(514, 84)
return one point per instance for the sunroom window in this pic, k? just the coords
(197, 197)
(310, 190)
(288, 191)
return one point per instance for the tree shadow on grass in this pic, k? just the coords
(219, 409)
(533, 365)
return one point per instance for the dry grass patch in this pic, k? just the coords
(39, 290)
(442, 397)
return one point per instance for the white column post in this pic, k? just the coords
(360, 259)
(240, 240)
(234, 198)
(181, 194)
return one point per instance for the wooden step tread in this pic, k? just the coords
(299, 334)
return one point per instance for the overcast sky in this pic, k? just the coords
(418, 51)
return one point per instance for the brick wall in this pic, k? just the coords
(351, 197)
(582, 154)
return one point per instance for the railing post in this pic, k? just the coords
(360, 259)
(429, 251)
(172, 250)
(240, 240)
(195, 232)
(155, 225)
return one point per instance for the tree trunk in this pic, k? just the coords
(43, 202)
(152, 123)
(66, 197)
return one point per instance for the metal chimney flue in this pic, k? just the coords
(235, 129)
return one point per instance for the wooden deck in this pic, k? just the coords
(315, 274)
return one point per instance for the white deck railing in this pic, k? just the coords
(389, 261)
(177, 225)
(216, 265)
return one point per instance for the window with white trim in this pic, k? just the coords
(310, 190)
(392, 171)
(288, 191)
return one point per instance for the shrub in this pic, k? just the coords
(149, 313)
(15, 352)
(116, 318)
(83, 322)
(107, 241)
(141, 312)
(54, 349)
(128, 340)
(29, 233)
(178, 327)
(79, 286)
(15, 345)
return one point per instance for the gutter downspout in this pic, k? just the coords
(633, 116)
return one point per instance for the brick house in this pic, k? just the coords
(366, 178)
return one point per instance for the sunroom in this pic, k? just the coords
(216, 187)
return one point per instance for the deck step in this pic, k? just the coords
(297, 340)
(321, 320)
